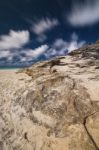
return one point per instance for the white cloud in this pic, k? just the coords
(41, 27)
(14, 40)
(14, 53)
(4, 54)
(62, 47)
(45, 24)
(59, 47)
(12, 48)
(59, 44)
(73, 45)
(24, 55)
(31, 55)
(36, 52)
(83, 14)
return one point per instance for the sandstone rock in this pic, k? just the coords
(53, 105)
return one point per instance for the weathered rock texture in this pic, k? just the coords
(53, 105)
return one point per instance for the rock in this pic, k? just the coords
(92, 124)
(53, 105)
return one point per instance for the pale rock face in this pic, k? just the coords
(52, 105)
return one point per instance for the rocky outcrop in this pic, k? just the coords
(53, 105)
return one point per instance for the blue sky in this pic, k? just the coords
(35, 30)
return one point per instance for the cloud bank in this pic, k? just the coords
(84, 14)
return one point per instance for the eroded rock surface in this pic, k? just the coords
(53, 105)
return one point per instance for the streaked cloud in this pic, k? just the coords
(33, 54)
(14, 40)
(84, 13)
(44, 25)
(41, 27)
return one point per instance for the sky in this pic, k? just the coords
(36, 30)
